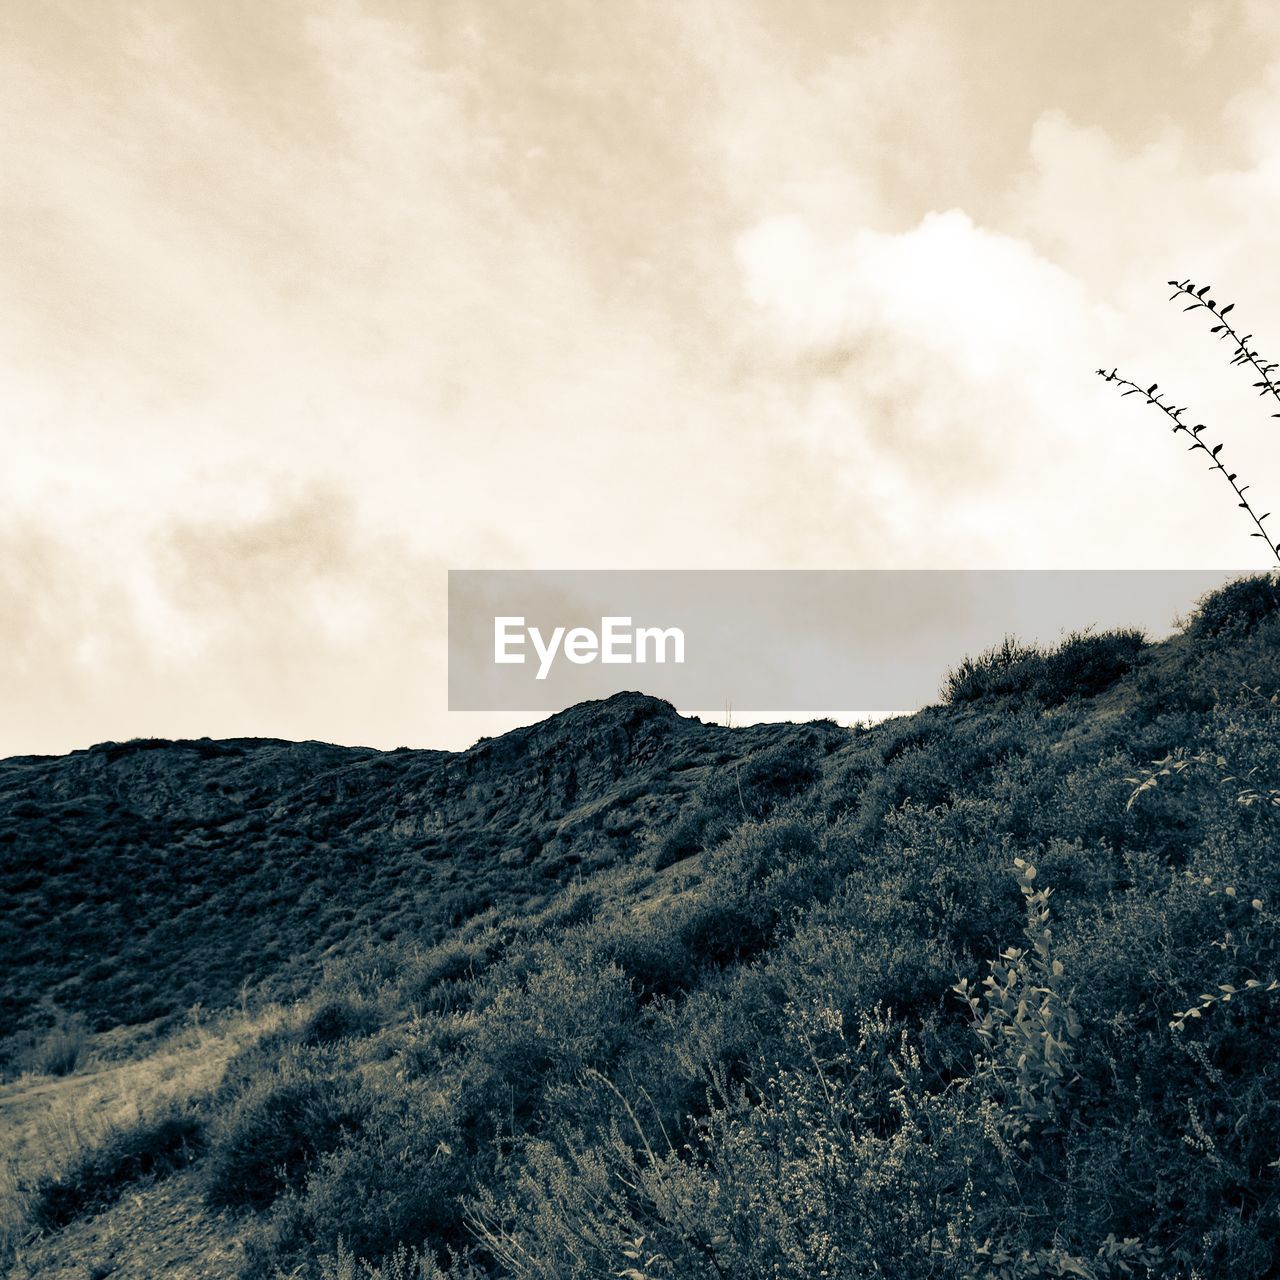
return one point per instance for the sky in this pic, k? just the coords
(304, 304)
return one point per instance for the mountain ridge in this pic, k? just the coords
(153, 830)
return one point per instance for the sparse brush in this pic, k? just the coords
(1197, 299)
(149, 1149)
(57, 1051)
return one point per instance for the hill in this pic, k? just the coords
(989, 990)
(142, 878)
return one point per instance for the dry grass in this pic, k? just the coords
(47, 1123)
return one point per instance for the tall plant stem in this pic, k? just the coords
(1193, 433)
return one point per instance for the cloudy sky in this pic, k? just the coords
(303, 304)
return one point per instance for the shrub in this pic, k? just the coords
(337, 1018)
(403, 1264)
(271, 1134)
(1005, 669)
(1025, 1021)
(779, 773)
(1082, 666)
(151, 1148)
(57, 1051)
(571, 1013)
(832, 1162)
(752, 788)
(1085, 665)
(650, 951)
(1240, 606)
(754, 881)
(400, 1181)
(448, 963)
(682, 839)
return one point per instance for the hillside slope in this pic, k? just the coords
(138, 879)
(986, 991)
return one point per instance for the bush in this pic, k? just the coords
(400, 1181)
(1241, 606)
(751, 789)
(1005, 670)
(682, 839)
(57, 1051)
(149, 1149)
(271, 1134)
(403, 1264)
(650, 951)
(433, 978)
(747, 790)
(337, 1018)
(572, 1013)
(1085, 665)
(755, 879)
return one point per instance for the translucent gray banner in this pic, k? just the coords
(795, 641)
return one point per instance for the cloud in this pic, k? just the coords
(296, 622)
(301, 303)
(945, 369)
(941, 354)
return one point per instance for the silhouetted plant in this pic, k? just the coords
(1241, 606)
(1243, 354)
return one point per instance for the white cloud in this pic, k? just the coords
(748, 286)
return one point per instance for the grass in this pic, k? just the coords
(75, 1131)
(123, 1157)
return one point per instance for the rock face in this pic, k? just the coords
(139, 878)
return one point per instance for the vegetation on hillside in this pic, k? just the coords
(143, 878)
(984, 991)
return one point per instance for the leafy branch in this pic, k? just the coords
(1247, 793)
(1174, 414)
(1243, 354)
(1223, 995)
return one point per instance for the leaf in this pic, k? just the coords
(1217, 449)
(1227, 308)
